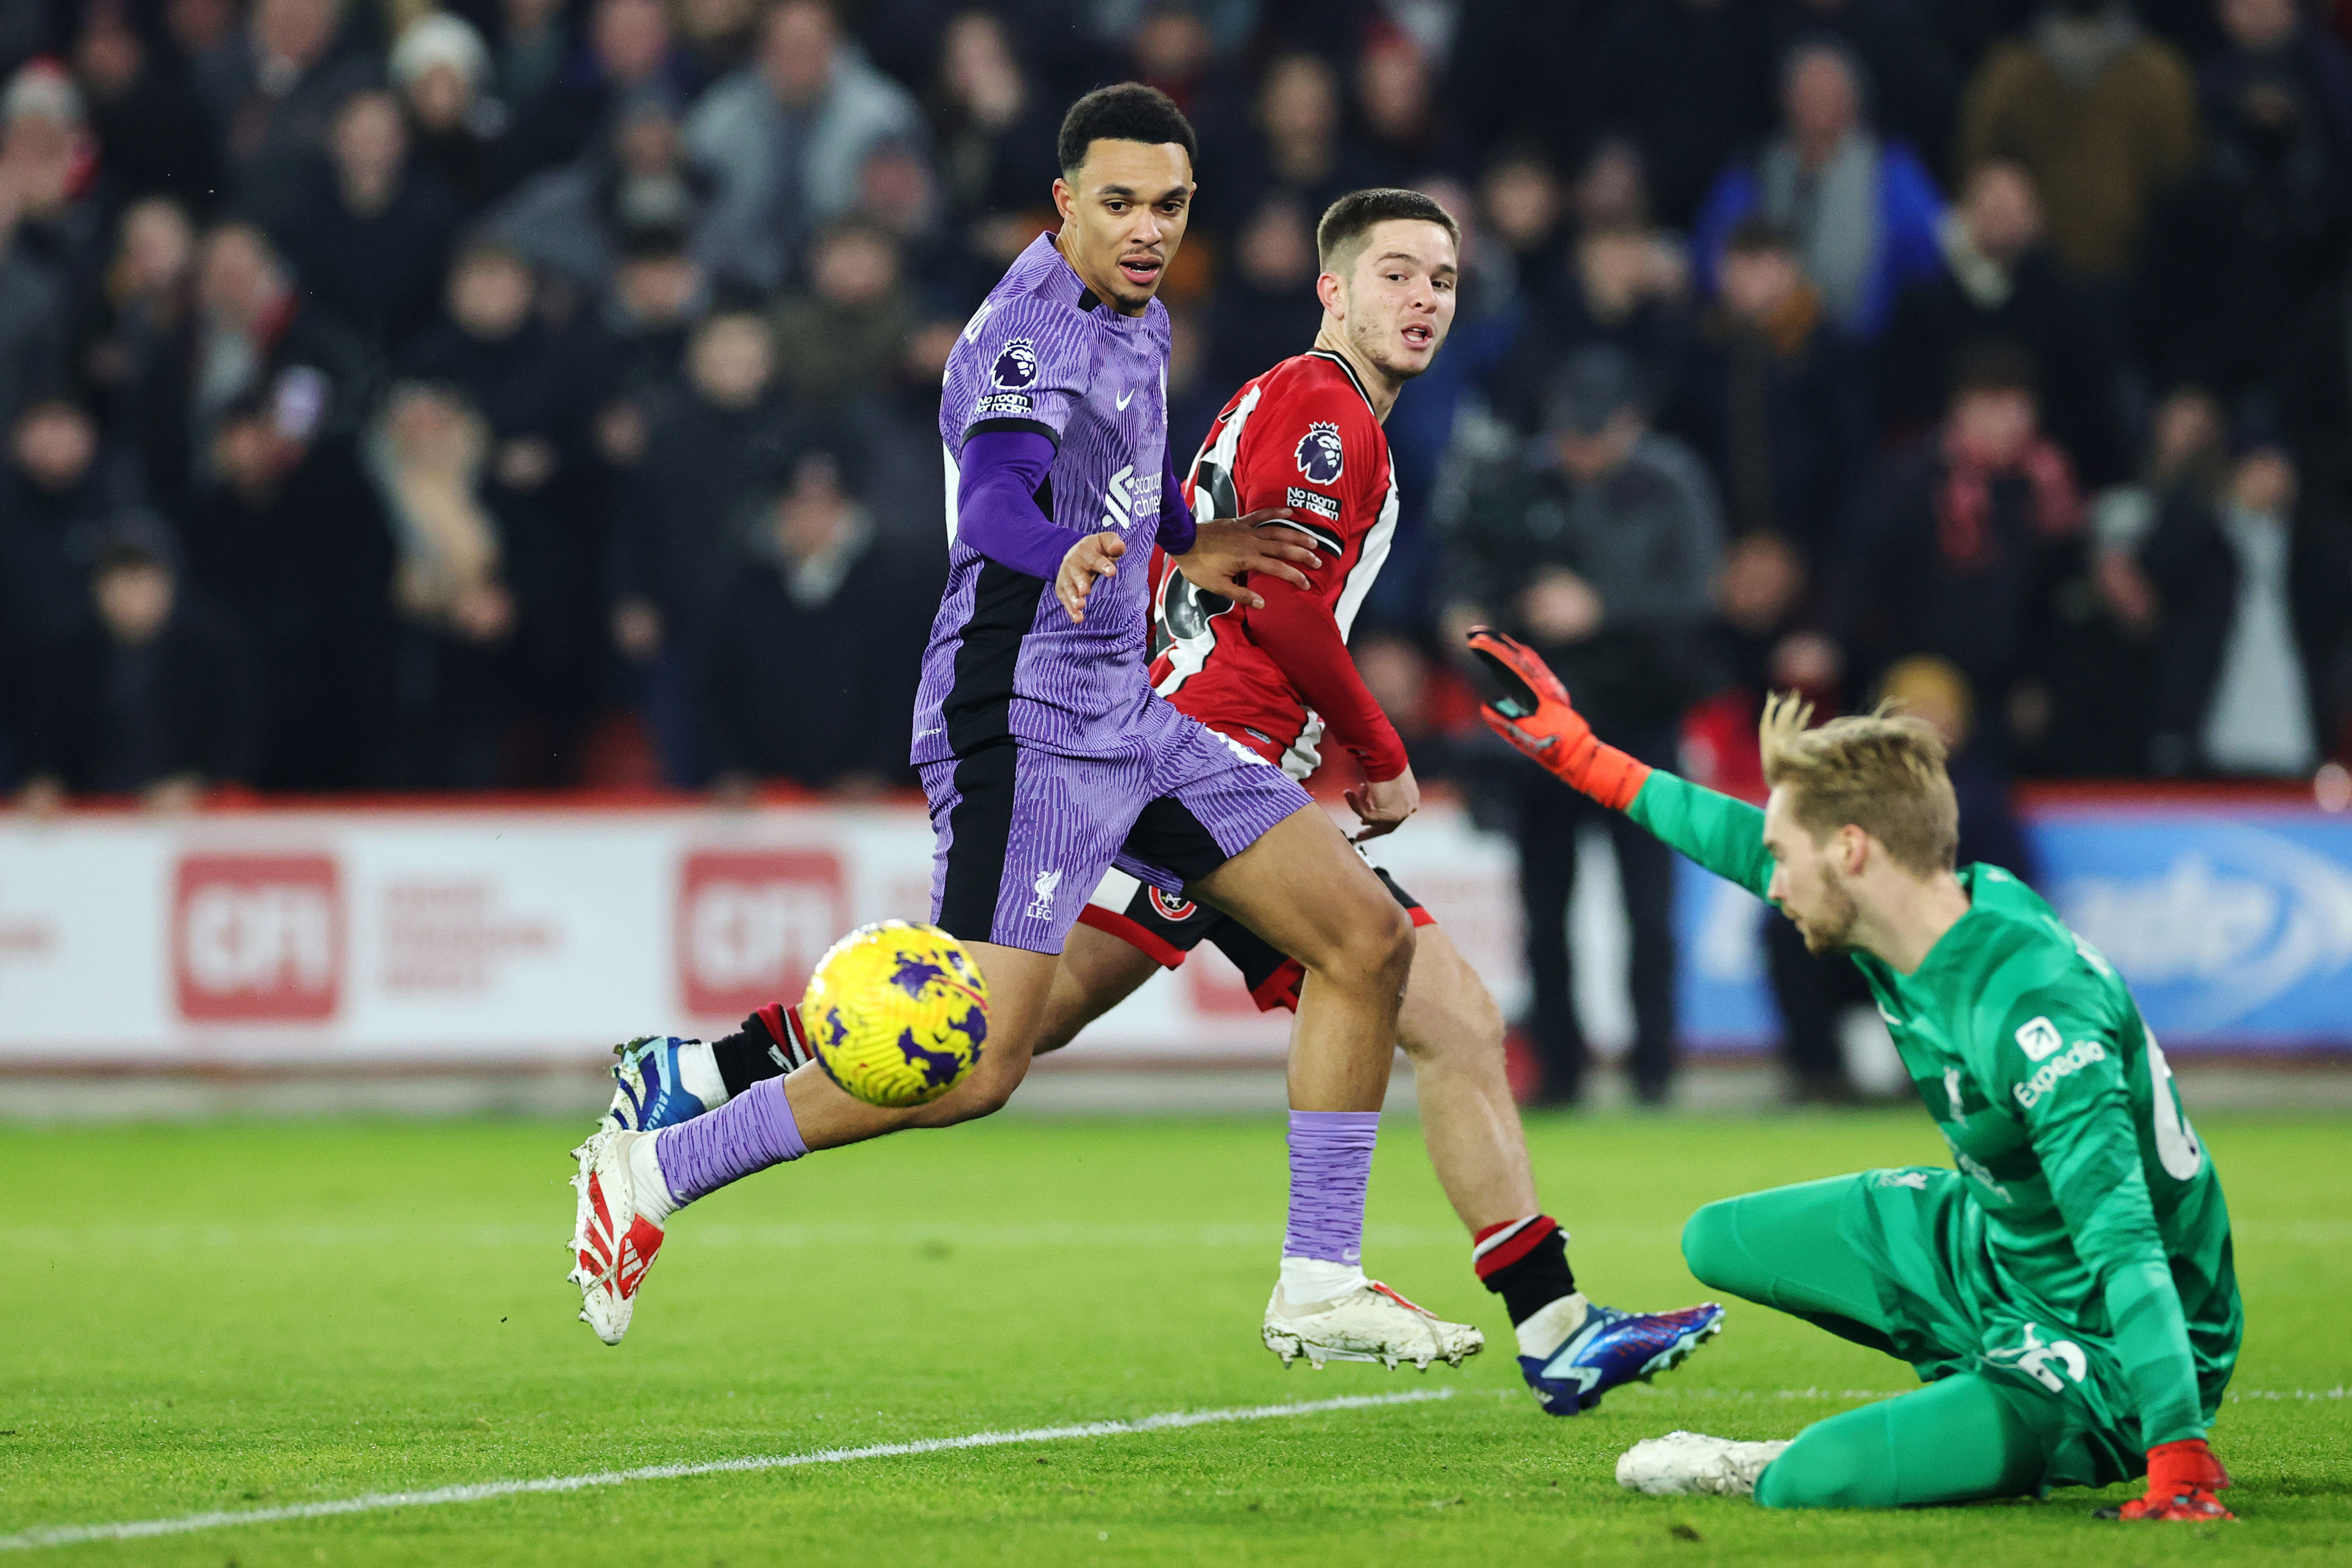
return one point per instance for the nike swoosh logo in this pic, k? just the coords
(1125, 398)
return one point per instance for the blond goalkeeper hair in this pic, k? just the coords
(1881, 771)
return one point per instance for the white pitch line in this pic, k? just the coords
(482, 1491)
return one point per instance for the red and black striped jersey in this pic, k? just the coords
(1302, 435)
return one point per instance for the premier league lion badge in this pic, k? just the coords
(1016, 367)
(1319, 453)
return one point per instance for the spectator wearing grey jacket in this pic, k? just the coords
(785, 138)
(1597, 546)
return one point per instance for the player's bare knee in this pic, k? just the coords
(969, 1103)
(1062, 1026)
(1396, 947)
(1372, 951)
(988, 1100)
(986, 1091)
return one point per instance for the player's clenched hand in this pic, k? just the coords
(1089, 559)
(1384, 806)
(2181, 1480)
(1226, 549)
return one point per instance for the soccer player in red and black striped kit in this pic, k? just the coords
(1278, 680)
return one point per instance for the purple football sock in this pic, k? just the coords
(1330, 1166)
(749, 1133)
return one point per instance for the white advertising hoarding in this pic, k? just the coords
(422, 936)
(435, 938)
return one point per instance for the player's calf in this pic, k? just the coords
(1355, 973)
(1571, 1351)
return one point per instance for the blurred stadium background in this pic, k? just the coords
(471, 503)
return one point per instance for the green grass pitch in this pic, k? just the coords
(237, 1317)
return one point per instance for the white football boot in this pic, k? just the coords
(1371, 1322)
(612, 1242)
(1692, 1464)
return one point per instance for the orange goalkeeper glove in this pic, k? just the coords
(1534, 715)
(2181, 1480)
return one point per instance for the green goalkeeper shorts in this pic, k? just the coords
(1950, 1306)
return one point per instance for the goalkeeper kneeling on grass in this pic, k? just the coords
(2067, 1292)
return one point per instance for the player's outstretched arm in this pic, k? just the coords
(1535, 715)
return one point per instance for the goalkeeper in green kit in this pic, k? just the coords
(2067, 1291)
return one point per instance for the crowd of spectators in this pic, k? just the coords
(539, 392)
(525, 392)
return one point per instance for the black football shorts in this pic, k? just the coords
(1166, 927)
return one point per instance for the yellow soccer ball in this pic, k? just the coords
(897, 1013)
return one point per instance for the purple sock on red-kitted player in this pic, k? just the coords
(1331, 1166)
(749, 1133)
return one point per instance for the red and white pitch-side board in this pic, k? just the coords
(489, 935)
(421, 935)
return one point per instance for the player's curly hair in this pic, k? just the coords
(1124, 112)
(1881, 771)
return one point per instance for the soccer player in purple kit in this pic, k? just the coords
(1047, 758)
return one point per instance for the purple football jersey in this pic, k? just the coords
(1043, 354)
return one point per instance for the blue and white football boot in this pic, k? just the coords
(650, 1095)
(1613, 1348)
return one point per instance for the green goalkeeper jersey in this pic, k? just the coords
(2099, 1206)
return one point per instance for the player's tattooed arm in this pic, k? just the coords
(1225, 551)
